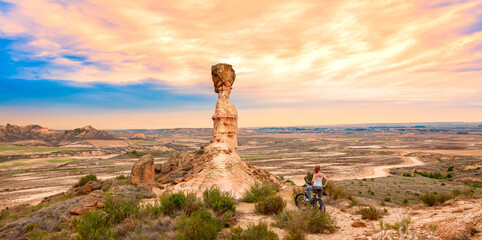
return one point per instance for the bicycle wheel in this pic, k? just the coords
(302, 201)
(320, 204)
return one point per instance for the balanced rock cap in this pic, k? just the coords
(223, 75)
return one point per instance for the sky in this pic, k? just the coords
(146, 64)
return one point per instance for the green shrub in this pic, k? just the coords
(85, 180)
(429, 199)
(258, 191)
(405, 201)
(450, 169)
(150, 209)
(94, 225)
(121, 177)
(309, 220)
(387, 199)
(370, 213)
(222, 203)
(336, 192)
(456, 192)
(443, 197)
(318, 221)
(172, 202)
(119, 208)
(432, 199)
(253, 232)
(431, 175)
(200, 225)
(477, 185)
(407, 175)
(309, 177)
(191, 204)
(201, 151)
(270, 205)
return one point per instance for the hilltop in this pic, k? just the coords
(12, 133)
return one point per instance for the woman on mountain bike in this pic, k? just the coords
(316, 182)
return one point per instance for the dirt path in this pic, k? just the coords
(383, 170)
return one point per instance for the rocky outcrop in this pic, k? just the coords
(143, 170)
(217, 165)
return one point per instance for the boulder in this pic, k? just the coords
(143, 170)
(89, 187)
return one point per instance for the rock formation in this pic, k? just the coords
(143, 170)
(225, 117)
(217, 165)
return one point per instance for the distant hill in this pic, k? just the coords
(87, 132)
(11, 133)
(139, 136)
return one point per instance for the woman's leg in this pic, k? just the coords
(319, 189)
(308, 191)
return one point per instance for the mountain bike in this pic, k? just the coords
(301, 199)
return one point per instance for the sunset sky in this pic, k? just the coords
(120, 64)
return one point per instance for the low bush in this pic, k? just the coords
(318, 221)
(222, 203)
(336, 192)
(431, 175)
(407, 175)
(258, 191)
(253, 232)
(200, 225)
(191, 204)
(310, 220)
(270, 205)
(94, 225)
(370, 213)
(85, 180)
(450, 169)
(432, 199)
(172, 203)
(218, 201)
(456, 192)
(119, 208)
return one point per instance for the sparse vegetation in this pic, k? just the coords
(253, 232)
(258, 191)
(370, 213)
(309, 220)
(200, 225)
(172, 202)
(270, 205)
(432, 199)
(85, 180)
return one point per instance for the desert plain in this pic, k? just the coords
(388, 167)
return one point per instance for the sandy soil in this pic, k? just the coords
(463, 211)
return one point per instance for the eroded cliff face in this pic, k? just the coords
(219, 166)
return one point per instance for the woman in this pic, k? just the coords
(316, 182)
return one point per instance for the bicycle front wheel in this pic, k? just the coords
(302, 201)
(320, 204)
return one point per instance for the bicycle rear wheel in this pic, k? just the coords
(320, 204)
(302, 201)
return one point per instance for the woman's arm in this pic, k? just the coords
(326, 182)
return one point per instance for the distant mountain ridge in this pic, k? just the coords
(10, 133)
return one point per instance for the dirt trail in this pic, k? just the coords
(383, 170)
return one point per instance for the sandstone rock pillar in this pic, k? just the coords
(225, 117)
(143, 170)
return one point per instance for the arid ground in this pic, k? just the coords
(388, 168)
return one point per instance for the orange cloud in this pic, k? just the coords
(283, 51)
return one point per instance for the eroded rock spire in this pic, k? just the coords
(225, 117)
